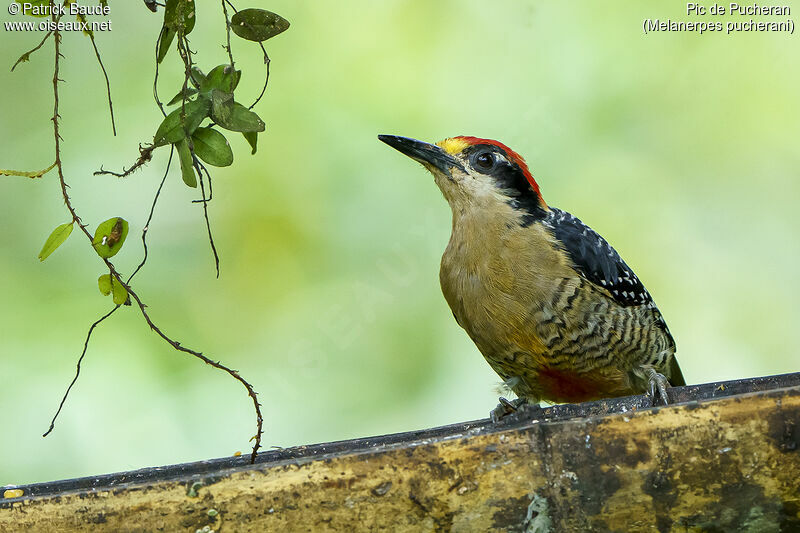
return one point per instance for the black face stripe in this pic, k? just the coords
(509, 179)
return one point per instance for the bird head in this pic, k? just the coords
(476, 173)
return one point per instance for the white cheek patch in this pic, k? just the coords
(483, 193)
(472, 189)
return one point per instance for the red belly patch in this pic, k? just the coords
(566, 386)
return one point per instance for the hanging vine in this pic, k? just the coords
(204, 105)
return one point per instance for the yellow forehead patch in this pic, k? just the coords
(453, 145)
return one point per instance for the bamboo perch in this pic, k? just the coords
(724, 457)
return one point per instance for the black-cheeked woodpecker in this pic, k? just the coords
(549, 303)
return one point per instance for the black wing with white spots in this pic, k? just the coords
(596, 260)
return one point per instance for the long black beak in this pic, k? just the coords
(429, 155)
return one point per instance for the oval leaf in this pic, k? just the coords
(258, 24)
(187, 167)
(118, 293)
(56, 238)
(212, 147)
(104, 284)
(252, 138)
(172, 129)
(222, 77)
(109, 237)
(167, 35)
(240, 119)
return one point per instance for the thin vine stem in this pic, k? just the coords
(145, 155)
(146, 227)
(108, 84)
(155, 77)
(227, 32)
(199, 168)
(27, 55)
(266, 78)
(77, 369)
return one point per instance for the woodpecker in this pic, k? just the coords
(549, 303)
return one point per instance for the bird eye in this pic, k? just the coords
(484, 161)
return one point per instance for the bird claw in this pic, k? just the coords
(657, 385)
(504, 408)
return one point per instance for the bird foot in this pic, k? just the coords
(504, 408)
(657, 385)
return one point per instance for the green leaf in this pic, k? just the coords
(109, 285)
(257, 24)
(167, 35)
(179, 16)
(56, 239)
(109, 237)
(197, 76)
(222, 77)
(118, 293)
(187, 167)
(181, 94)
(212, 147)
(104, 284)
(240, 119)
(252, 138)
(172, 130)
(221, 106)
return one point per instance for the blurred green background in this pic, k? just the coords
(681, 149)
